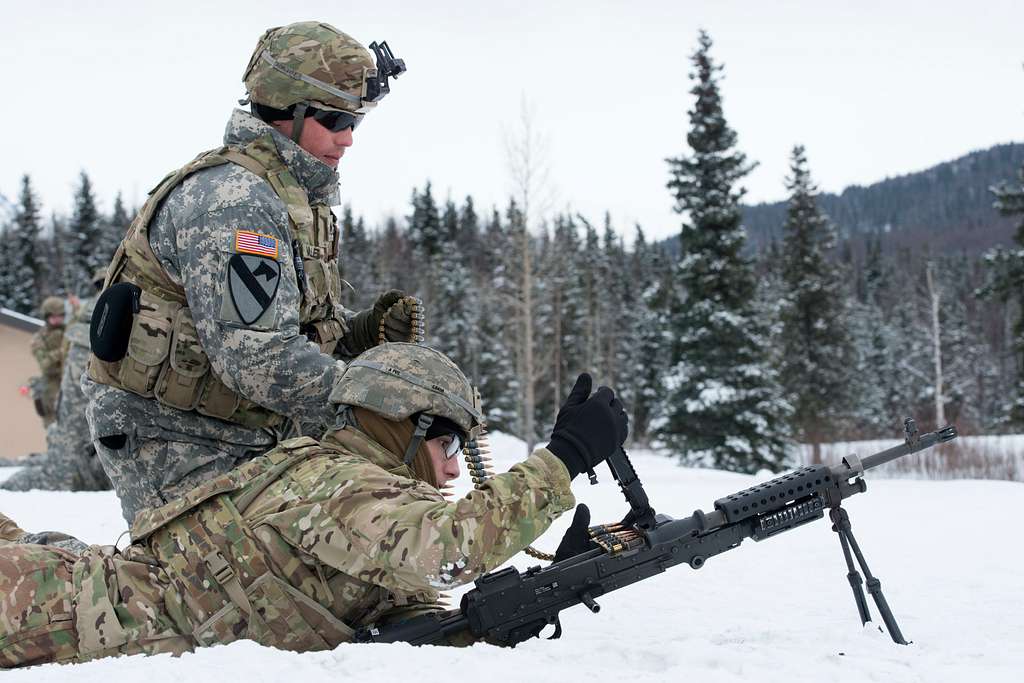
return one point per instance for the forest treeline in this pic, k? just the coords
(728, 346)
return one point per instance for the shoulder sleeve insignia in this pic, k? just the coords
(252, 282)
(249, 242)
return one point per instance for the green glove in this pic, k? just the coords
(403, 321)
(394, 317)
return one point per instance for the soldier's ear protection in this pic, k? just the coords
(112, 318)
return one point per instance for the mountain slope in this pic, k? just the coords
(947, 206)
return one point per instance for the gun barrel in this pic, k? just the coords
(928, 440)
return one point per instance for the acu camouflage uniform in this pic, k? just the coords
(47, 350)
(294, 550)
(220, 357)
(70, 462)
(259, 373)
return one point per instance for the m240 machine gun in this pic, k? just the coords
(508, 606)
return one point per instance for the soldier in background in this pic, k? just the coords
(300, 547)
(70, 462)
(47, 348)
(232, 267)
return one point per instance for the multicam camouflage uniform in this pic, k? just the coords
(236, 257)
(294, 549)
(46, 348)
(70, 462)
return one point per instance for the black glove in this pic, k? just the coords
(577, 537)
(589, 427)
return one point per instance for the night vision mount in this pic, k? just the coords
(387, 67)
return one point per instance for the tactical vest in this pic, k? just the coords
(165, 359)
(225, 583)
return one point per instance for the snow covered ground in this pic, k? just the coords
(949, 554)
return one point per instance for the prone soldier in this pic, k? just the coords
(300, 547)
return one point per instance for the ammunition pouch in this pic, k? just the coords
(163, 359)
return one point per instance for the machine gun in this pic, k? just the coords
(508, 606)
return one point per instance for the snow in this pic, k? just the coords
(948, 554)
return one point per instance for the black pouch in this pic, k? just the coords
(111, 324)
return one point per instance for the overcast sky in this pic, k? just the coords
(130, 90)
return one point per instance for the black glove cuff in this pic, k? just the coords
(569, 451)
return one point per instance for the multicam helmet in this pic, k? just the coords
(52, 305)
(315, 64)
(398, 380)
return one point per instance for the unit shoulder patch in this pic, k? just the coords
(251, 242)
(252, 282)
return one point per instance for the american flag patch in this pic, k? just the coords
(248, 242)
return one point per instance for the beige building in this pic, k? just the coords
(21, 430)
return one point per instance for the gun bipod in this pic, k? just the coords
(841, 525)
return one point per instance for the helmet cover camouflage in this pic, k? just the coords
(52, 305)
(99, 277)
(286, 55)
(397, 380)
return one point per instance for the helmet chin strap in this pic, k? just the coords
(298, 118)
(422, 425)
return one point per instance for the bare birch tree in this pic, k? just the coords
(526, 158)
(934, 297)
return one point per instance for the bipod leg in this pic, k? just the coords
(841, 525)
(874, 585)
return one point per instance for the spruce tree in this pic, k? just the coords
(1006, 281)
(816, 352)
(495, 370)
(649, 345)
(617, 311)
(114, 230)
(425, 228)
(55, 256)
(356, 262)
(469, 238)
(724, 407)
(83, 236)
(592, 266)
(878, 381)
(455, 301)
(567, 319)
(5, 267)
(23, 266)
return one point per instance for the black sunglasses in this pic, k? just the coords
(337, 121)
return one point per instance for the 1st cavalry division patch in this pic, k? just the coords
(249, 242)
(252, 281)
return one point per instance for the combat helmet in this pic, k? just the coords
(314, 65)
(399, 380)
(52, 305)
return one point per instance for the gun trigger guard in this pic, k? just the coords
(558, 630)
